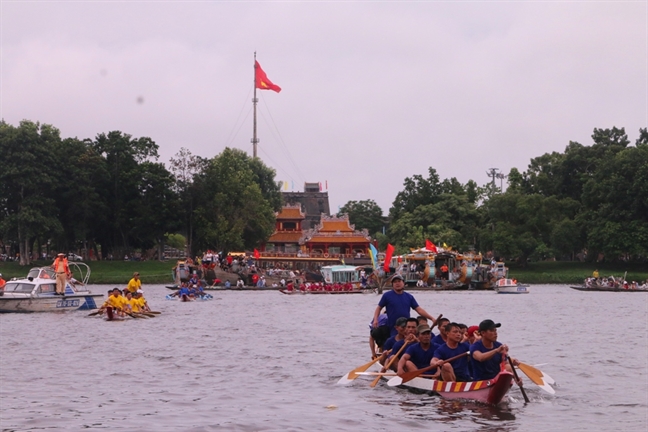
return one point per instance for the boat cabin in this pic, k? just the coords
(341, 274)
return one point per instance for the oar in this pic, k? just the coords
(346, 379)
(538, 377)
(150, 315)
(94, 313)
(408, 376)
(394, 357)
(437, 320)
(154, 312)
(517, 380)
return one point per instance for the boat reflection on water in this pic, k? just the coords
(457, 409)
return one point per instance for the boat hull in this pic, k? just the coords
(325, 292)
(48, 303)
(610, 289)
(490, 392)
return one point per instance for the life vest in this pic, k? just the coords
(66, 269)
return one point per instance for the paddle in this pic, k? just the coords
(346, 379)
(517, 380)
(394, 357)
(95, 313)
(538, 377)
(408, 376)
(154, 312)
(150, 315)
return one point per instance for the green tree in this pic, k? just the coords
(27, 184)
(123, 155)
(232, 212)
(365, 214)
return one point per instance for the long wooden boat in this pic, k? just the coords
(490, 391)
(366, 291)
(232, 288)
(606, 289)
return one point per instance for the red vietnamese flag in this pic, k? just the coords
(257, 255)
(430, 246)
(261, 80)
(388, 256)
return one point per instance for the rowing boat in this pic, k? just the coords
(606, 289)
(490, 391)
(365, 291)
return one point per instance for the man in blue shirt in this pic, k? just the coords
(457, 370)
(398, 304)
(487, 353)
(419, 355)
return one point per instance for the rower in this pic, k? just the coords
(419, 355)
(410, 337)
(398, 304)
(487, 353)
(458, 369)
(440, 339)
(116, 301)
(399, 336)
(378, 335)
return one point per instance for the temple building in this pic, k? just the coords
(313, 202)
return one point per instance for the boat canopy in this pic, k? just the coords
(340, 274)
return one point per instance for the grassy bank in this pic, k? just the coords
(120, 272)
(106, 272)
(562, 272)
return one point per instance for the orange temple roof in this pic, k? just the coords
(291, 213)
(285, 237)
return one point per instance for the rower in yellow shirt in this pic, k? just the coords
(116, 301)
(132, 303)
(141, 301)
(135, 283)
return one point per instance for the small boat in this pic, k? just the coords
(187, 298)
(37, 292)
(490, 391)
(510, 286)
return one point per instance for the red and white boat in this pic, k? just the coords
(490, 391)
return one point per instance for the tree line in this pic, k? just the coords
(110, 195)
(589, 202)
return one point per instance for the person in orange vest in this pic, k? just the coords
(2, 285)
(444, 272)
(62, 270)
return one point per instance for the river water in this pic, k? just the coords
(264, 361)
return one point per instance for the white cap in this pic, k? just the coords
(139, 291)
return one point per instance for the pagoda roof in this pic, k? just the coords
(291, 212)
(285, 237)
(335, 229)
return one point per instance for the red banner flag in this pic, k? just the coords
(261, 79)
(430, 246)
(257, 255)
(388, 256)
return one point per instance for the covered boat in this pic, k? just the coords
(37, 292)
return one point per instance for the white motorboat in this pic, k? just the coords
(510, 286)
(37, 292)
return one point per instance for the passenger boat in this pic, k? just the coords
(490, 391)
(510, 286)
(37, 292)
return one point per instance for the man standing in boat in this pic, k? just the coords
(60, 266)
(398, 304)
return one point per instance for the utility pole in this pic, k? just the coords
(501, 176)
(492, 172)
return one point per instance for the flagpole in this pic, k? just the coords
(255, 140)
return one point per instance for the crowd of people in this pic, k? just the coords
(596, 281)
(457, 353)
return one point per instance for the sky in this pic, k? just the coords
(372, 92)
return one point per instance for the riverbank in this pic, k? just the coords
(156, 272)
(569, 272)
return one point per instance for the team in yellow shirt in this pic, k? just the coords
(126, 302)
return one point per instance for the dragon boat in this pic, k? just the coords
(490, 391)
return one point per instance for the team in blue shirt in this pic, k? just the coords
(485, 359)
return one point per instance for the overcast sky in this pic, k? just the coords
(373, 92)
